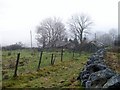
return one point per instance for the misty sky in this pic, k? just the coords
(18, 17)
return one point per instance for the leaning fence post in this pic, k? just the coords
(40, 60)
(62, 54)
(17, 61)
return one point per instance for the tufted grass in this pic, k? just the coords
(61, 74)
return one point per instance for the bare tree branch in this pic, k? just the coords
(50, 31)
(79, 24)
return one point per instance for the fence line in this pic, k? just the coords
(43, 57)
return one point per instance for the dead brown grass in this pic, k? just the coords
(112, 60)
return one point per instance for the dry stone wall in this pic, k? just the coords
(96, 74)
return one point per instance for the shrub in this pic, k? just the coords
(9, 53)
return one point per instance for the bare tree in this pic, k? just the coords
(50, 31)
(41, 37)
(106, 39)
(79, 24)
(113, 32)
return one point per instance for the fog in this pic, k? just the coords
(18, 17)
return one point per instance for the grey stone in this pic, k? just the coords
(98, 79)
(88, 84)
(95, 62)
(86, 76)
(107, 73)
(96, 74)
(99, 61)
(83, 82)
(95, 67)
(81, 75)
(113, 82)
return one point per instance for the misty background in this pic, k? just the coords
(18, 17)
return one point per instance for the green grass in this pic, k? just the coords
(61, 74)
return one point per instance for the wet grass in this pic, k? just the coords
(61, 74)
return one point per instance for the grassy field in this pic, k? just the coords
(113, 61)
(61, 74)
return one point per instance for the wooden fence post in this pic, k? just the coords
(73, 52)
(16, 66)
(62, 54)
(40, 60)
(52, 59)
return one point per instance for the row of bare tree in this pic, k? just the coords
(52, 30)
(108, 38)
